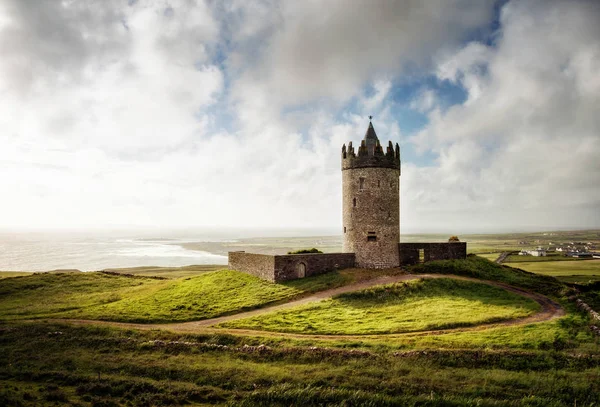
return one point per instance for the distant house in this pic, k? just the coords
(537, 252)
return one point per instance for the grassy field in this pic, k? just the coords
(138, 298)
(515, 258)
(7, 274)
(48, 364)
(477, 267)
(404, 307)
(489, 256)
(167, 272)
(118, 297)
(571, 271)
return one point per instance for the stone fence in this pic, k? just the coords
(409, 252)
(289, 266)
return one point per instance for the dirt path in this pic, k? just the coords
(550, 310)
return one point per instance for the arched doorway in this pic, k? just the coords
(301, 270)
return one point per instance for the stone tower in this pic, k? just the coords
(371, 202)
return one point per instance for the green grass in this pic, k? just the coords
(142, 299)
(489, 256)
(57, 364)
(167, 272)
(477, 267)
(405, 307)
(562, 268)
(54, 294)
(7, 274)
(516, 258)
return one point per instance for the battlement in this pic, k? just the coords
(370, 156)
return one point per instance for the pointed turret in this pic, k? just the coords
(370, 153)
(370, 138)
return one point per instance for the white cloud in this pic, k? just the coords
(526, 141)
(205, 113)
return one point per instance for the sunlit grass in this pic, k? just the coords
(141, 299)
(411, 306)
(561, 268)
(7, 274)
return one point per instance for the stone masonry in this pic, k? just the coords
(371, 202)
(409, 252)
(290, 266)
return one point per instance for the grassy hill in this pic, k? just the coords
(478, 267)
(129, 298)
(404, 307)
(45, 363)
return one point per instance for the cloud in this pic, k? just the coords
(330, 51)
(525, 142)
(200, 113)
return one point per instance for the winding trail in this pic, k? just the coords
(549, 311)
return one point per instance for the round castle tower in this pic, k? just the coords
(371, 202)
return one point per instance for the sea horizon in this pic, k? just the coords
(38, 251)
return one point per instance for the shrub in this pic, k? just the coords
(306, 251)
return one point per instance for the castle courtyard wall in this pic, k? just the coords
(279, 268)
(259, 265)
(409, 252)
(287, 266)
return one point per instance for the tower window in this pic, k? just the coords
(344, 229)
(391, 184)
(361, 183)
(354, 202)
(371, 238)
(378, 183)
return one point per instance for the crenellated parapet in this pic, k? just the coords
(370, 156)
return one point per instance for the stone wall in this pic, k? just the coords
(289, 267)
(259, 265)
(293, 266)
(409, 252)
(371, 216)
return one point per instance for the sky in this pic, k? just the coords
(192, 114)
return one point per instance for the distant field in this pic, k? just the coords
(405, 307)
(6, 274)
(572, 271)
(489, 256)
(516, 258)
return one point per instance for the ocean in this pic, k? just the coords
(51, 251)
(92, 251)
